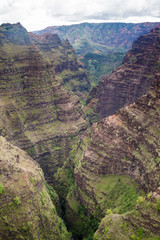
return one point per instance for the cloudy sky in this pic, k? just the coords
(38, 14)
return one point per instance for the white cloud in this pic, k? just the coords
(38, 14)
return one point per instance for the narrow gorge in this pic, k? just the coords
(101, 161)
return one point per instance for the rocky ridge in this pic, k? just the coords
(128, 82)
(100, 37)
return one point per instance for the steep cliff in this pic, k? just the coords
(26, 210)
(39, 113)
(122, 147)
(128, 82)
(62, 57)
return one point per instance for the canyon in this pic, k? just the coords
(100, 47)
(101, 162)
(102, 37)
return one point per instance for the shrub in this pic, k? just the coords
(16, 201)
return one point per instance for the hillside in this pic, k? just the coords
(132, 145)
(99, 64)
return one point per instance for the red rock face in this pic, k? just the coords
(130, 81)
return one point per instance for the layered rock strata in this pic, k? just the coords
(39, 113)
(125, 144)
(118, 170)
(128, 82)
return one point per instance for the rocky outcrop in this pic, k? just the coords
(14, 33)
(128, 82)
(128, 143)
(26, 210)
(39, 113)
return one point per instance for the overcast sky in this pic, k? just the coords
(38, 14)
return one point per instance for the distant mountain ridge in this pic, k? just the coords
(101, 37)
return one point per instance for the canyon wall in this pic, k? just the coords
(128, 82)
(39, 111)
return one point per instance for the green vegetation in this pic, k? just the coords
(51, 192)
(157, 205)
(81, 223)
(16, 201)
(100, 37)
(57, 148)
(117, 194)
(1, 188)
(99, 64)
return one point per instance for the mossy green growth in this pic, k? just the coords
(1, 188)
(118, 193)
(112, 194)
(141, 224)
(90, 113)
